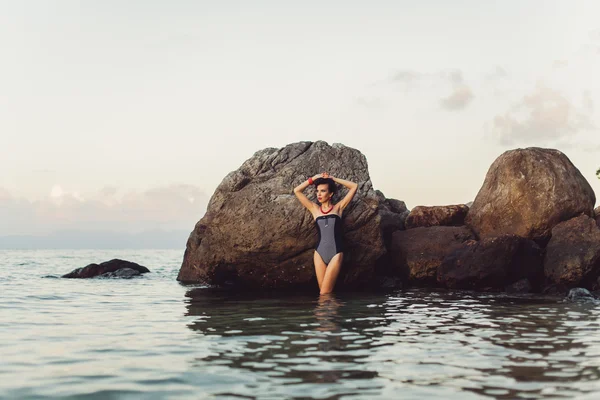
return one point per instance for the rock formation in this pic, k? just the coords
(573, 253)
(492, 263)
(417, 253)
(424, 216)
(109, 269)
(527, 192)
(256, 234)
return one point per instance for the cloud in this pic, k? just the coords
(461, 94)
(168, 207)
(542, 116)
(458, 99)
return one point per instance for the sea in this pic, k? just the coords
(151, 337)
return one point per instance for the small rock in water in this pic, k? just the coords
(108, 269)
(121, 273)
(580, 294)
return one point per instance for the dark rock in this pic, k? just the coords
(256, 234)
(417, 253)
(121, 273)
(597, 216)
(520, 286)
(492, 263)
(573, 253)
(425, 216)
(389, 282)
(580, 295)
(527, 192)
(106, 267)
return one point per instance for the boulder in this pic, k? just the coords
(527, 192)
(580, 295)
(417, 253)
(492, 263)
(256, 234)
(597, 216)
(573, 253)
(424, 216)
(113, 268)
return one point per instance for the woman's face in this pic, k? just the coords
(323, 193)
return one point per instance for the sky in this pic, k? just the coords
(127, 115)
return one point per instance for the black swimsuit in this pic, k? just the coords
(330, 236)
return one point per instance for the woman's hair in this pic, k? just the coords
(326, 181)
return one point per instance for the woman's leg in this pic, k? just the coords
(331, 273)
(320, 268)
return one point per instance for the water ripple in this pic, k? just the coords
(154, 338)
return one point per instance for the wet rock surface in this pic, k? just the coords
(115, 268)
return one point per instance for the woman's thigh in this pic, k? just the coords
(320, 268)
(331, 273)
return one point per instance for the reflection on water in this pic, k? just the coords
(153, 337)
(419, 343)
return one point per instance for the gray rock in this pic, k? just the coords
(527, 192)
(256, 234)
(107, 267)
(121, 273)
(580, 295)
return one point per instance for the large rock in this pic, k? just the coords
(424, 216)
(256, 234)
(527, 192)
(573, 253)
(597, 216)
(115, 268)
(417, 253)
(492, 263)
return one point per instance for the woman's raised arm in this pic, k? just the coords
(303, 199)
(350, 195)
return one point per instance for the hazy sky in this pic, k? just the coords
(128, 114)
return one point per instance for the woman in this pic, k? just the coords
(329, 254)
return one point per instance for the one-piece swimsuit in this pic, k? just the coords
(330, 236)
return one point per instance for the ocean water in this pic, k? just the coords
(153, 338)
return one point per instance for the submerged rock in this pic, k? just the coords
(256, 234)
(114, 268)
(580, 295)
(527, 192)
(492, 263)
(121, 273)
(573, 253)
(425, 216)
